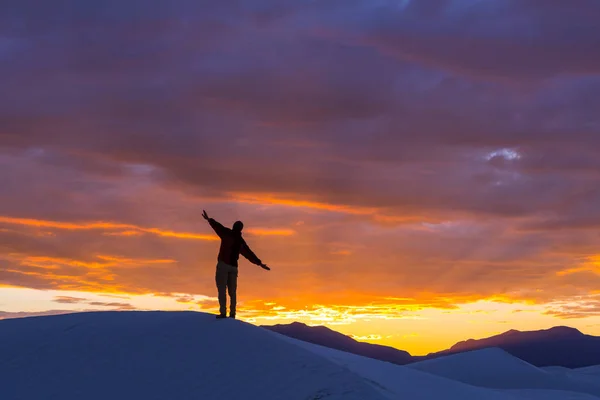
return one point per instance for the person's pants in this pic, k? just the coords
(226, 278)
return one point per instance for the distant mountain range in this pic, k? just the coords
(558, 346)
(329, 338)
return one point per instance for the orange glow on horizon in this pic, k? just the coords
(413, 328)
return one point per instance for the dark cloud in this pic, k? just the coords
(500, 39)
(120, 306)
(78, 300)
(185, 299)
(68, 300)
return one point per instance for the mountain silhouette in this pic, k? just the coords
(326, 337)
(559, 346)
(515, 337)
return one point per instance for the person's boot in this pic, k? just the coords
(221, 316)
(232, 316)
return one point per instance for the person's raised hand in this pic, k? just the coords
(204, 215)
(264, 266)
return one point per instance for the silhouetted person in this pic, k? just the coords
(232, 245)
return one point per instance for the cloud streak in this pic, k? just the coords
(127, 230)
(91, 226)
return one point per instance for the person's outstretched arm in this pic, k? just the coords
(217, 227)
(249, 254)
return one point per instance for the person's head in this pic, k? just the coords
(238, 226)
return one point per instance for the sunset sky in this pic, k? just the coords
(414, 172)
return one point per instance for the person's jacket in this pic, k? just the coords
(232, 245)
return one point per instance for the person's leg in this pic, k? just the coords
(221, 280)
(232, 288)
